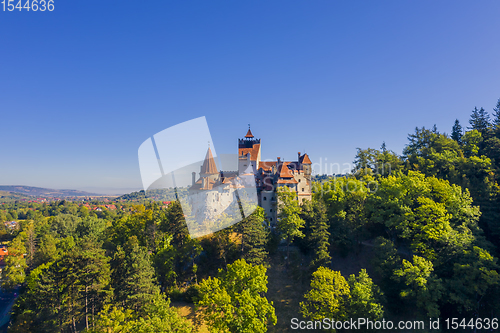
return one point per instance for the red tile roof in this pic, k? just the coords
(304, 159)
(249, 134)
(267, 165)
(209, 166)
(254, 152)
(285, 172)
(287, 181)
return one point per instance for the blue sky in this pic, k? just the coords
(83, 86)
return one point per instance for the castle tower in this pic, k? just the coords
(248, 152)
(209, 168)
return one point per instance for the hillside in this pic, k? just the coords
(10, 197)
(155, 195)
(44, 192)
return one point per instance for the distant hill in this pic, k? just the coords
(45, 192)
(155, 195)
(11, 197)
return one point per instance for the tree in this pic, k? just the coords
(319, 236)
(328, 297)
(475, 276)
(496, 120)
(159, 317)
(422, 285)
(480, 121)
(456, 132)
(233, 301)
(14, 271)
(67, 293)
(175, 224)
(289, 222)
(472, 141)
(365, 297)
(254, 233)
(133, 276)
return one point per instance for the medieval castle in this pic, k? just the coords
(220, 187)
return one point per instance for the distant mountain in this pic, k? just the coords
(10, 197)
(45, 192)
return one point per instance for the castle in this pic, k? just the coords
(220, 188)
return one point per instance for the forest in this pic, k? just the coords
(429, 219)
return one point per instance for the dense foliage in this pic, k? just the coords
(429, 218)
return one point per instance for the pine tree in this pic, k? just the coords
(456, 132)
(480, 121)
(133, 276)
(319, 237)
(496, 120)
(175, 224)
(254, 235)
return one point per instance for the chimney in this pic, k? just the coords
(193, 175)
(298, 159)
(279, 158)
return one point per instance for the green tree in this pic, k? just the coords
(14, 272)
(496, 120)
(159, 317)
(319, 236)
(472, 141)
(65, 294)
(137, 285)
(422, 285)
(289, 222)
(457, 132)
(254, 232)
(365, 297)
(475, 276)
(234, 302)
(328, 297)
(480, 121)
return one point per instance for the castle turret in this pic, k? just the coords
(209, 168)
(249, 152)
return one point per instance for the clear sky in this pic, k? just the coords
(83, 86)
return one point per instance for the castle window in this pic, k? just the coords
(265, 198)
(271, 210)
(300, 180)
(302, 189)
(271, 219)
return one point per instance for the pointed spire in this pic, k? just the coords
(249, 133)
(209, 167)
